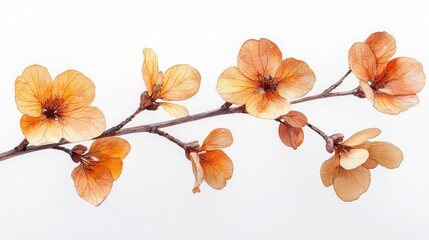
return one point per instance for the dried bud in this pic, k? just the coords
(330, 146)
(77, 152)
(191, 147)
(359, 93)
(337, 137)
(147, 103)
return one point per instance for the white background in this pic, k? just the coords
(275, 192)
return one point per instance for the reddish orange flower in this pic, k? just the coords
(263, 82)
(290, 129)
(178, 83)
(98, 168)
(391, 85)
(57, 109)
(348, 170)
(211, 164)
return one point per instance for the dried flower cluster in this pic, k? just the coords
(263, 84)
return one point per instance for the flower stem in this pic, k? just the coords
(318, 131)
(167, 136)
(64, 149)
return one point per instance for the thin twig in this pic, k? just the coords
(64, 149)
(167, 136)
(338, 83)
(318, 131)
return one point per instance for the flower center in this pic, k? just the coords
(53, 106)
(267, 84)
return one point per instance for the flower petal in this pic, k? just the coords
(41, 130)
(362, 62)
(385, 154)
(329, 170)
(150, 69)
(402, 76)
(92, 185)
(217, 139)
(295, 119)
(295, 78)
(350, 184)
(176, 110)
(291, 136)
(76, 89)
(217, 167)
(83, 124)
(259, 58)
(383, 45)
(361, 136)
(113, 164)
(369, 92)
(197, 170)
(180, 82)
(31, 89)
(234, 87)
(353, 158)
(390, 104)
(113, 147)
(370, 163)
(267, 105)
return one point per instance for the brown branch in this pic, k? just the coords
(167, 136)
(118, 130)
(318, 131)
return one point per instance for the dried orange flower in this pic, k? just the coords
(348, 170)
(178, 83)
(57, 109)
(290, 128)
(391, 85)
(263, 82)
(211, 164)
(98, 168)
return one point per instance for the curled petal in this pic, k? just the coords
(353, 158)
(295, 78)
(350, 184)
(291, 136)
(234, 87)
(295, 119)
(94, 184)
(150, 69)
(329, 170)
(362, 62)
(389, 104)
(383, 45)
(369, 92)
(41, 130)
(197, 170)
(259, 58)
(174, 109)
(180, 82)
(361, 136)
(76, 89)
(217, 167)
(83, 124)
(267, 105)
(217, 139)
(385, 154)
(402, 76)
(113, 147)
(31, 89)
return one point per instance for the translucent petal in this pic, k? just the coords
(217, 167)
(362, 62)
(350, 184)
(295, 78)
(197, 170)
(41, 130)
(353, 158)
(94, 184)
(150, 69)
(291, 136)
(391, 104)
(217, 139)
(295, 119)
(361, 136)
(259, 58)
(329, 170)
(386, 154)
(383, 45)
(176, 110)
(31, 89)
(234, 87)
(180, 82)
(76, 89)
(83, 124)
(267, 105)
